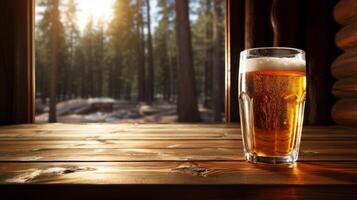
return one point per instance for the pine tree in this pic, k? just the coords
(55, 20)
(187, 100)
(51, 51)
(87, 45)
(42, 44)
(121, 48)
(208, 51)
(140, 47)
(72, 38)
(161, 50)
(217, 77)
(99, 58)
(150, 76)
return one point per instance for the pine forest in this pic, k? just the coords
(151, 61)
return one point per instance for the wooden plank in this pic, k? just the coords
(104, 155)
(120, 144)
(309, 152)
(345, 88)
(204, 129)
(126, 126)
(345, 112)
(153, 128)
(345, 65)
(345, 12)
(54, 136)
(157, 144)
(38, 160)
(346, 38)
(94, 143)
(72, 135)
(180, 173)
(121, 132)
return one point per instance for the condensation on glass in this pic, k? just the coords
(272, 90)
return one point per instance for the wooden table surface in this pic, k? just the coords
(107, 161)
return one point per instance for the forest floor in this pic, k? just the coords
(107, 110)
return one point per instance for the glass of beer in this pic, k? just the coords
(272, 90)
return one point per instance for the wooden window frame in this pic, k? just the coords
(17, 77)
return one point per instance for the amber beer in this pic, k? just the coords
(272, 99)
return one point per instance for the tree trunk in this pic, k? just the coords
(166, 69)
(111, 81)
(150, 79)
(90, 64)
(216, 75)
(83, 76)
(118, 85)
(44, 83)
(141, 52)
(187, 100)
(101, 64)
(65, 73)
(208, 61)
(54, 62)
(70, 75)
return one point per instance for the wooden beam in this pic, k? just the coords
(234, 45)
(17, 62)
(258, 30)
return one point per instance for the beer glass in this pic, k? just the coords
(272, 89)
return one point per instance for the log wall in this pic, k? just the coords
(344, 67)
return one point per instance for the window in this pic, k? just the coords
(120, 61)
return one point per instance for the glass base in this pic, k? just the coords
(292, 158)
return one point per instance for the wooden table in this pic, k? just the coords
(110, 161)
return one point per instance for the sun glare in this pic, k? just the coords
(94, 8)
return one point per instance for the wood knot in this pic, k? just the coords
(28, 176)
(192, 169)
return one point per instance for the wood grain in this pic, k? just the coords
(345, 66)
(17, 85)
(345, 12)
(345, 112)
(180, 173)
(325, 152)
(64, 161)
(234, 44)
(346, 38)
(345, 88)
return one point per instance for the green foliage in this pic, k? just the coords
(122, 48)
(43, 47)
(164, 44)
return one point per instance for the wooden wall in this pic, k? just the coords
(303, 24)
(345, 66)
(16, 62)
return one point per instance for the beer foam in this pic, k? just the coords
(273, 63)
